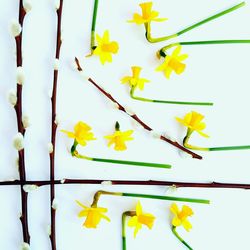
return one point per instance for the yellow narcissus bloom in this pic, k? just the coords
(193, 120)
(135, 80)
(147, 16)
(180, 217)
(140, 219)
(93, 215)
(105, 48)
(173, 63)
(81, 133)
(119, 138)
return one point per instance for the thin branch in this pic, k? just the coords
(175, 184)
(136, 118)
(53, 130)
(21, 129)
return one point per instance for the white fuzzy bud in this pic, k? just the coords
(73, 65)
(55, 204)
(56, 64)
(171, 189)
(15, 28)
(57, 4)
(50, 93)
(50, 147)
(49, 230)
(25, 246)
(155, 134)
(20, 75)
(106, 183)
(26, 121)
(27, 5)
(29, 188)
(136, 125)
(57, 120)
(12, 97)
(18, 142)
(129, 111)
(84, 75)
(62, 181)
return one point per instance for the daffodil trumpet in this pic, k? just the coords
(99, 193)
(227, 148)
(180, 238)
(75, 153)
(213, 17)
(162, 51)
(133, 96)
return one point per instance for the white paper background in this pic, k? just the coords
(214, 73)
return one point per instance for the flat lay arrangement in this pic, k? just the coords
(125, 124)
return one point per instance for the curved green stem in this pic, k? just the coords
(166, 102)
(180, 239)
(162, 51)
(164, 38)
(75, 153)
(187, 145)
(147, 196)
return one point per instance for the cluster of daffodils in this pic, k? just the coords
(82, 134)
(138, 218)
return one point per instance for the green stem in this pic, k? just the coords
(155, 40)
(133, 163)
(187, 145)
(168, 198)
(124, 217)
(162, 51)
(180, 239)
(166, 102)
(148, 196)
(92, 42)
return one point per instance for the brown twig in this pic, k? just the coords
(136, 118)
(53, 130)
(21, 129)
(130, 182)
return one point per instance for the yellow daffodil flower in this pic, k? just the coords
(148, 15)
(93, 215)
(193, 120)
(173, 63)
(135, 80)
(105, 48)
(119, 138)
(180, 217)
(140, 219)
(81, 133)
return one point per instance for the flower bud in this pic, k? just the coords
(15, 28)
(12, 97)
(20, 75)
(18, 142)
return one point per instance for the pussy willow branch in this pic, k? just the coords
(175, 184)
(21, 129)
(136, 118)
(53, 130)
